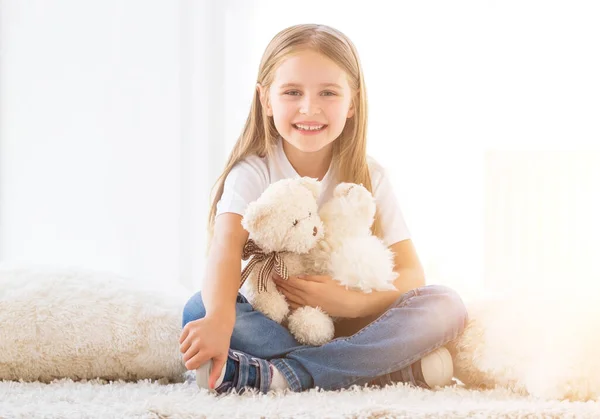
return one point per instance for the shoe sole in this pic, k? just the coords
(203, 374)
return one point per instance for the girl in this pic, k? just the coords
(309, 118)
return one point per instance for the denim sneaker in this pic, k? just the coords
(242, 371)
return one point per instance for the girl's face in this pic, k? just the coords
(310, 100)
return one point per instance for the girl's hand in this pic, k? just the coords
(202, 340)
(318, 291)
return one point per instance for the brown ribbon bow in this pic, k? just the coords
(272, 260)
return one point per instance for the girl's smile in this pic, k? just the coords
(309, 128)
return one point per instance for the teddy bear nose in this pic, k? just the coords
(315, 231)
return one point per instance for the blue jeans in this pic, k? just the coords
(417, 323)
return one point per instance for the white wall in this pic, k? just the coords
(448, 83)
(103, 156)
(117, 116)
(543, 228)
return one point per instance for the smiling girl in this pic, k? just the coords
(309, 118)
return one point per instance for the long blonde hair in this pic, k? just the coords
(260, 136)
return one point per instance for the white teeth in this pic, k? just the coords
(309, 128)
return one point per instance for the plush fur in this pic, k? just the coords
(538, 342)
(80, 324)
(100, 399)
(342, 247)
(283, 219)
(348, 251)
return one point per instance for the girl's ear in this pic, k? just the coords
(264, 100)
(351, 110)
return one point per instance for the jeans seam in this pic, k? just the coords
(288, 373)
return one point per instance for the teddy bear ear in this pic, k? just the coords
(342, 189)
(252, 217)
(312, 185)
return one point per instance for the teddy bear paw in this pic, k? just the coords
(343, 189)
(311, 326)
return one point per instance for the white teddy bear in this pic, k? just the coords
(283, 226)
(288, 234)
(348, 252)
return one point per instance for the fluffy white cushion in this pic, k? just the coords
(540, 342)
(81, 324)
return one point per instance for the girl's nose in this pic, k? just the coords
(309, 108)
(310, 111)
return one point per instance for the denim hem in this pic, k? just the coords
(289, 374)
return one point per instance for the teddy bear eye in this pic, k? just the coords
(295, 222)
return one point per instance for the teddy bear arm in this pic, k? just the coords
(270, 302)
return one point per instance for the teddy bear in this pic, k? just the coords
(348, 252)
(283, 226)
(288, 234)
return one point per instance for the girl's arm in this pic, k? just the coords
(407, 265)
(209, 337)
(338, 301)
(223, 272)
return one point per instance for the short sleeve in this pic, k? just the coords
(244, 184)
(392, 220)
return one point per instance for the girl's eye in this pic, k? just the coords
(297, 93)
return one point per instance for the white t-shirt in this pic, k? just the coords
(251, 176)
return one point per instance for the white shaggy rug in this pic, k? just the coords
(57, 323)
(154, 399)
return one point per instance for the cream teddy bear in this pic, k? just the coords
(287, 235)
(283, 226)
(348, 252)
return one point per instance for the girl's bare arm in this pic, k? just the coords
(223, 272)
